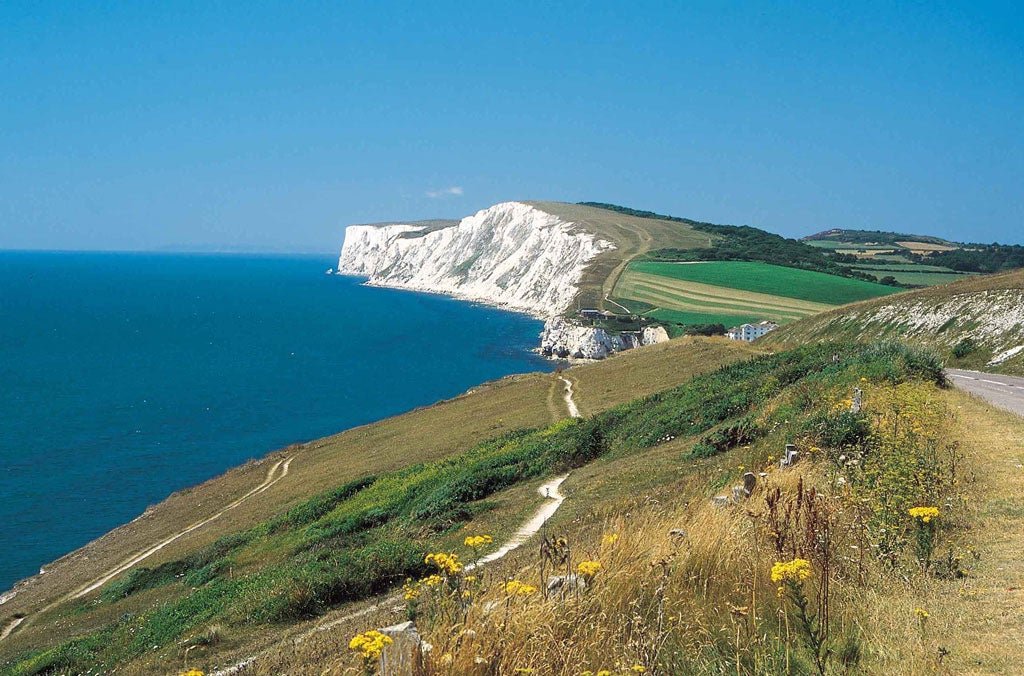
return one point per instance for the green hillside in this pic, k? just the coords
(286, 593)
(977, 322)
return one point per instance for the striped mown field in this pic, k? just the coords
(737, 291)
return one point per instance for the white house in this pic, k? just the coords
(749, 332)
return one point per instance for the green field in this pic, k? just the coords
(774, 280)
(684, 317)
(915, 277)
(735, 292)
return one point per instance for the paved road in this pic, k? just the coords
(1005, 392)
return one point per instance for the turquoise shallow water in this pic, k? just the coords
(124, 377)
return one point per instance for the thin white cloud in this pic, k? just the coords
(445, 192)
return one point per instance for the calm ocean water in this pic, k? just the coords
(124, 377)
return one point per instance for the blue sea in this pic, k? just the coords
(125, 377)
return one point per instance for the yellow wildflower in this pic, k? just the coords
(588, 569)
(609, 538)
(192, 672)
(447, 563)
(517, 588)
(924, 513)
(432, 580)
(922, 613)
(638, 668)
(476, 541)
(369, 644)
(412, 591)
(796, 570)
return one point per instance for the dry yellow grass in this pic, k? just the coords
(709, 595)
(925, 247)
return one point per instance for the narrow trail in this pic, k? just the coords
(11, 626)
(569, 402)
(273, 476)
(125, 565)
(553, 500)
(628, 311)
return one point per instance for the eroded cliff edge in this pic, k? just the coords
(511, 255)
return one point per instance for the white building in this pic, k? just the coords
(749, 332)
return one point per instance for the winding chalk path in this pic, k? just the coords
(549, 490)
(278, 471)
(122, 567)
(12, 625)
(569, 402)
(554, 500)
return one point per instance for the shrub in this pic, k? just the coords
(964, 348)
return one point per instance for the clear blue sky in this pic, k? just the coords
(273, 125)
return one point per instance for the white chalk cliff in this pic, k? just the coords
(511, 255)
(565, 340)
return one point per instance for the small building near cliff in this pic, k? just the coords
(749, 332)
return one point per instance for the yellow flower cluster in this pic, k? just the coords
(924, 513)
(447, 563)
(412, 591)
(609, 538)
(192, 672)
(603, 672)
(922, 613)
(796, 570)
(369, 644)
(588, 569)
(476, 541)
(517, 588)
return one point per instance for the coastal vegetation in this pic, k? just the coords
(369, 535)
(976, 323)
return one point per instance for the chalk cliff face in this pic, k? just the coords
(565, 340)
(511, 255)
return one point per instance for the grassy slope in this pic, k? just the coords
(632, 236)
(716, 573)
(422, 435)
(984, 309)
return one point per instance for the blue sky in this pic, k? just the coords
(271, 126)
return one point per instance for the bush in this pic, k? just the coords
(964, 348)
